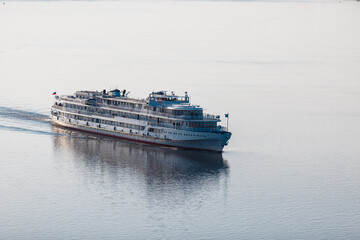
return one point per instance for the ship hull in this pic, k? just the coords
(215, 145)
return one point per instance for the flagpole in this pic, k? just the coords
(227, 123)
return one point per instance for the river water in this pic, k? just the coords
(287, 72)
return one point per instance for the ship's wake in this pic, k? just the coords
(28, 130)
(16, 120)
(11, 113)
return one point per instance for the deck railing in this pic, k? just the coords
(205, 116)
(150, 123)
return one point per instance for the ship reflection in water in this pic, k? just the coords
(152, 168)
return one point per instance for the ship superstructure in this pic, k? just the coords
(162, 118)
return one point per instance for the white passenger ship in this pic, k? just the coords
(162, 119)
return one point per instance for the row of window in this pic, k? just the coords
(96, 120)
(157, 109)
(185, 134)
(101, 111)
(120, 124)
(121, 103)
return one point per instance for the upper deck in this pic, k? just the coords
(158, 103)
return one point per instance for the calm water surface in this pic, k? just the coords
(288, 73)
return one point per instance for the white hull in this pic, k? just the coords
(203, 141)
